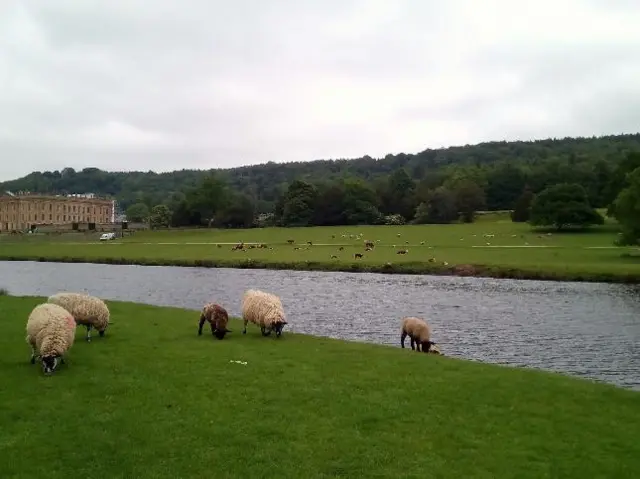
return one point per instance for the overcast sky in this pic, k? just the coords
(168, 84)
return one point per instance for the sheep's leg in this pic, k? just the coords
(417, 346)
(244, 331)
(89, 326)
(33, 355)
(62, 360)
(264, 331)
(413, 344)
(201, 324)
(402, 338)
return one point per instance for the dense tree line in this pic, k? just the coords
(541, 163)
(434, 186)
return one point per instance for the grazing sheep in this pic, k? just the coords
(51, 331)
(217, 317)
(341, 248)
(87, 310)
(264, 310)
(310, 243)
(333, 256)
(290, 241)
(402, 251)
(369, 244)
(357, 256)
(419, 332)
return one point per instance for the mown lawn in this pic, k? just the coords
(152, 399)
(494, 244)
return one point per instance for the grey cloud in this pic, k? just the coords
(129, 84)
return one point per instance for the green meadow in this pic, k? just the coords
(493, 246)
(153, 399)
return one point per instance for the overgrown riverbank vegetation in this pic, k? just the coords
(491, 246)
(153, 399)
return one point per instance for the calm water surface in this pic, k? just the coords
(588, 330)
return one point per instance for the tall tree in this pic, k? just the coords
(522, 208)
(470, 199)
(160, 216)
(627, 209)
(620, 177)
(299, 202)
(505, 183)
(138, 213)
(563, 205)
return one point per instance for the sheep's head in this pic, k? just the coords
(278, 326)
(49, 364)
(430, 347)
(221, 332)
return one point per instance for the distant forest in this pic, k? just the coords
(487, 176)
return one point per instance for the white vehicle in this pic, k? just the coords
(107, 236)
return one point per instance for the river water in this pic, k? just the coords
(590, 330)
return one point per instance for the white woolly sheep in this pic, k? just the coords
(87, 310)
(420, 333)
(264, 310)
(51, 331)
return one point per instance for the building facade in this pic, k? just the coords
(22, 212)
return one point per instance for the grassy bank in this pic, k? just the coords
(152, 399)
(494, 246)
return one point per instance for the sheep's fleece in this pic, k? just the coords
(264, 310)
(87, 310)
(50, 332)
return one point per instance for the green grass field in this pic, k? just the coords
(494, 246)
(152, 399)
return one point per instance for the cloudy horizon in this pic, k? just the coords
(121, 85)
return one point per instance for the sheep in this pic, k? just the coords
(419, 332)
(263, 309)
(402, 251)
(217, 317)
(51, 332)
(369, 244)
(87, 310)
(357, 255)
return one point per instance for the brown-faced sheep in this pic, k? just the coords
(87, 310)
(264, 310)
(419, 332)
(51, 331)
(357, 255)
(217, 317)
